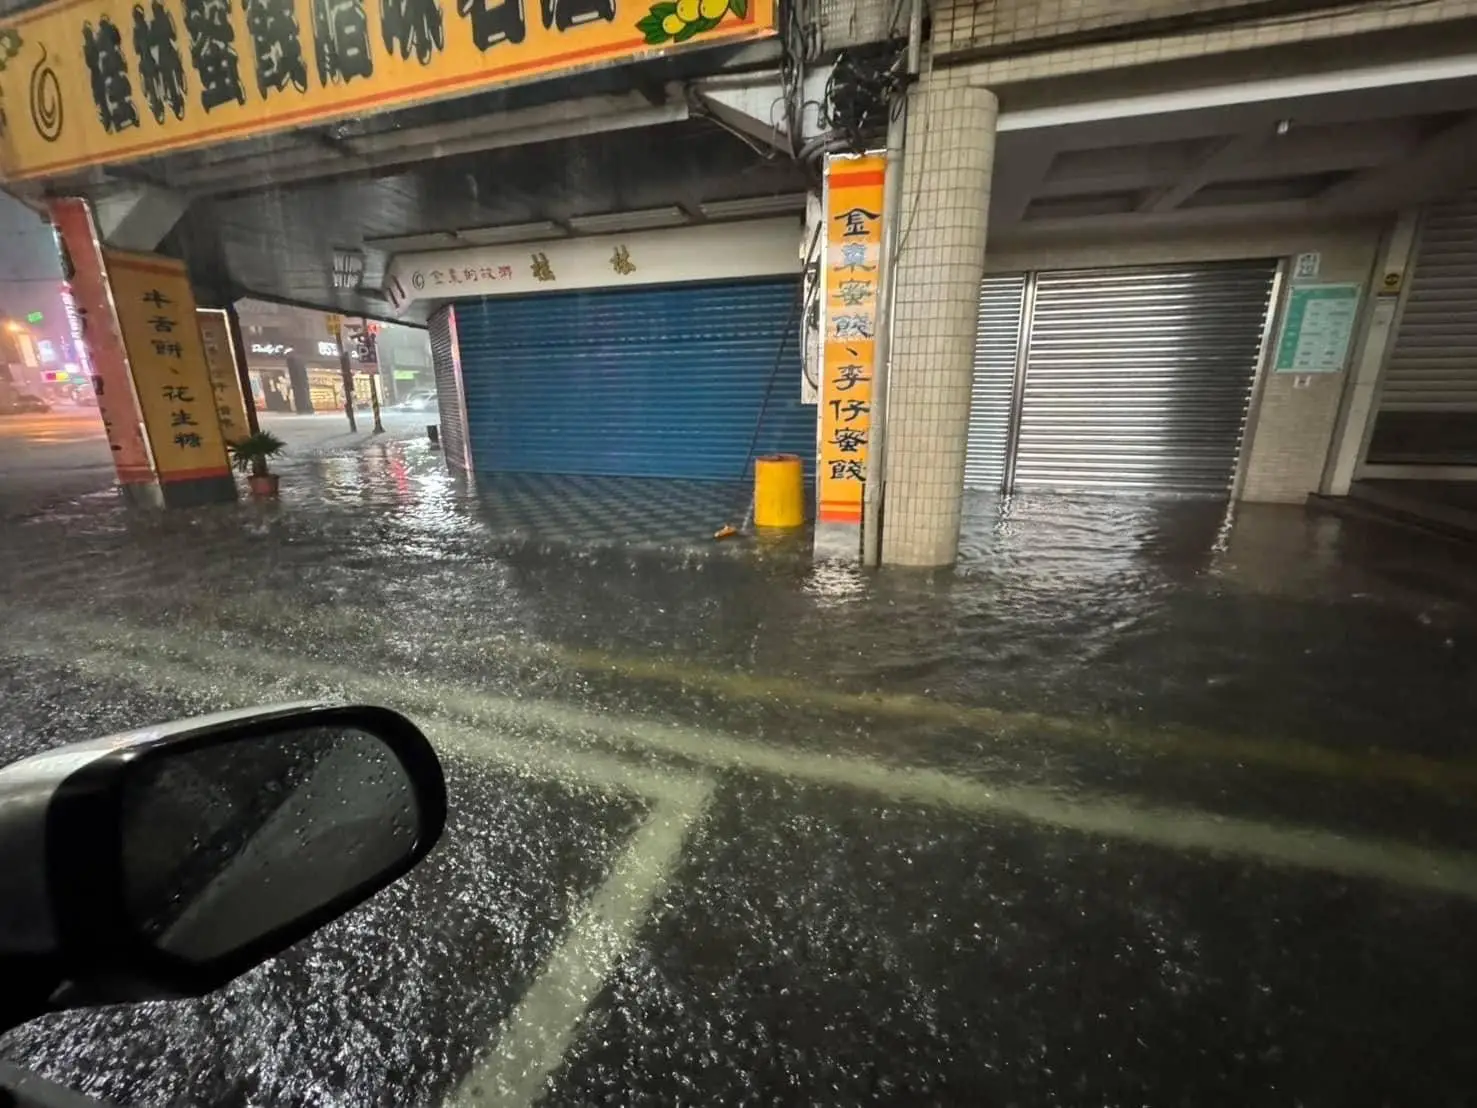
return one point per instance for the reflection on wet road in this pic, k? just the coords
(1139, 805)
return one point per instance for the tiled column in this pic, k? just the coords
(945, 207)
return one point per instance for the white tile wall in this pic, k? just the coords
(945, 203)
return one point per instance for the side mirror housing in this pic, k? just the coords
(169, 860)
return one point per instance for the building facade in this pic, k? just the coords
(1168, 247)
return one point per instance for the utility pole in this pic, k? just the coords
(346, 371)
(371, 358)
(374, 402)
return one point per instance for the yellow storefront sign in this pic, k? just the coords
(853, 258)
(86, 82)
(225, 381)
(156, 315)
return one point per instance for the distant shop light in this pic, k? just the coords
(348, 268)
(46, 351)
(271, 349)
(328, 349)
(34, 317)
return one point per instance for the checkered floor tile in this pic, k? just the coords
(611, 511)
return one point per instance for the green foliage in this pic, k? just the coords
(10, 46)
(249, 455)
(651, 24)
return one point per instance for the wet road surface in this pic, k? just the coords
(1138, 806)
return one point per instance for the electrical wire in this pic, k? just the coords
(779, 357)
(811, 302)
(907, 229)
(861, 90)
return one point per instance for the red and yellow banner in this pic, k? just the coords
(156, 315)
(853, 264)
(88, 82)
(98, 343)
(225, 381)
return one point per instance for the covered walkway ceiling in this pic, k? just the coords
(1310, 145)
(1276, 140)
(278, 243)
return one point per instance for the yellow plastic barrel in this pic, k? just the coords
(779, 491)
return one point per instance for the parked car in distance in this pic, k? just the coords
(23, 403)
(422, 400)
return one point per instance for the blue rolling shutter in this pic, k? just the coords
(657, 381)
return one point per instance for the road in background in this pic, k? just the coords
(51, 456)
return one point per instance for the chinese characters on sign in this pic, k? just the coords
(462, 281)
(111, 80)
(852, 262)
(1317, 328)
(177, 399)
(225, 382)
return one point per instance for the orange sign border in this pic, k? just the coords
(743, 28)
(852, 180)
(120, 262)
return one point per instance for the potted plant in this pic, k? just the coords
(250, 455)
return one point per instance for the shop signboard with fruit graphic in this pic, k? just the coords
(112, 81)
(680, 21)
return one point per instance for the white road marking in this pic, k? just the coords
(200, 666)
(530, 1044)
(538, 1033)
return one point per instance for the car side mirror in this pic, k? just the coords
(169, 860)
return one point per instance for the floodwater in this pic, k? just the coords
(1141, 804)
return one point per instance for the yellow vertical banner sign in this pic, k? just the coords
(225, 381)
(853, 260)
(157, 318)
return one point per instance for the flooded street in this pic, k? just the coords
(1141, 804)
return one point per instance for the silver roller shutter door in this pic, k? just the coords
(1140, 379)
(1433, 366)
(996, 344)
(452, 413)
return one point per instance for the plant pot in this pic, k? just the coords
(263, 485)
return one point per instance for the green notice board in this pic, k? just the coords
(1318, 328)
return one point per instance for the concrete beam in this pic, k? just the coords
(137, 217)
(753, 105)
(1442, 164)
(1230, 153)
(545, 123)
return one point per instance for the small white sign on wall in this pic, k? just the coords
(1306, 267)
(705, 252)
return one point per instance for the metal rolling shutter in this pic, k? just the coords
(655, 381)
(1433, 366)
(453, 419)
(1140, 379)
(996, 345)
